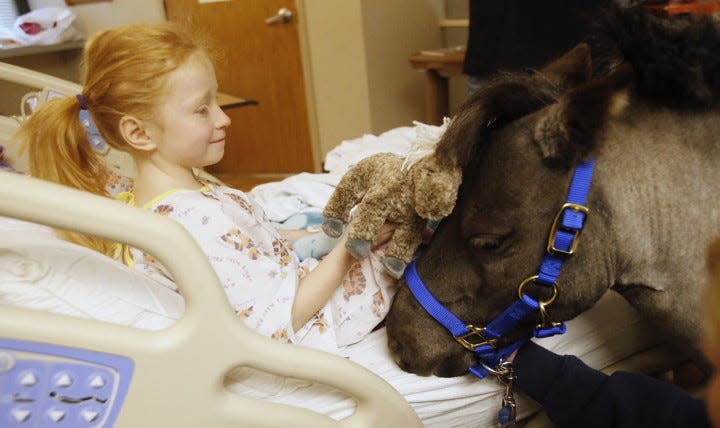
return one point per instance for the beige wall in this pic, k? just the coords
(92, 17)
(336, 83)
(357, 51)
(393, 30)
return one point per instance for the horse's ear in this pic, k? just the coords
(567, 130)
(571, 69)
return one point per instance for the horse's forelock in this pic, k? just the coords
(506, 98)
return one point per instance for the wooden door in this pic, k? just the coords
(259, 61)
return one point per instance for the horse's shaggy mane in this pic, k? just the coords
(676, 59)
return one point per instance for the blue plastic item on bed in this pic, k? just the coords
(316, 245)
(45, 385)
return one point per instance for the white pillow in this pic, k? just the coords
(40, 271)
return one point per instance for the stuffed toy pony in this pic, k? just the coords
(390, 188)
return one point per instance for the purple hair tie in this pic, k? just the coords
(83, 103)
(96, 140)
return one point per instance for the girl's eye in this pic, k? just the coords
(203, 110)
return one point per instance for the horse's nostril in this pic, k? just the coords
(407, 361)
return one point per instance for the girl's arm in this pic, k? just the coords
(320, 284)
(293, 234)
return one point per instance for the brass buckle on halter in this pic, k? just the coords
(474, 338)
(556, 225)
(542, 304)
(545, 321)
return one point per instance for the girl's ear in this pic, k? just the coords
(134, 131)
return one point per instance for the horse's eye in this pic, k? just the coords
(487, 241)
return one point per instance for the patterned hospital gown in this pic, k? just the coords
(260, 272)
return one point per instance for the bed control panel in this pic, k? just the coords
(55, 386)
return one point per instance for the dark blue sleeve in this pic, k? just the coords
(575, 395)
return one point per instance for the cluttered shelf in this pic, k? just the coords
(41, 49)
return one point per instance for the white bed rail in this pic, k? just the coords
(35, 79)
(179, 372)
(47, 87)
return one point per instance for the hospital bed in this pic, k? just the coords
(86, 341)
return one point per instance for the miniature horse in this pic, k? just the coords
(647, 114)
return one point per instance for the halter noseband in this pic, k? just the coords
(482, 341)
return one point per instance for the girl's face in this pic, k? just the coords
(189, 130)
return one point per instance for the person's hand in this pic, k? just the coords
(384, 235)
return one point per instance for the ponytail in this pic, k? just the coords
(59, 151)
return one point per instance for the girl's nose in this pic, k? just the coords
(223, 120)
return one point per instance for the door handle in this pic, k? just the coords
(283, 16)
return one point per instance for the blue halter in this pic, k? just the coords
(562, 242)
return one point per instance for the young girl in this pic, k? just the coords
(150, 90)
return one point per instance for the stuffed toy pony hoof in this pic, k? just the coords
(394, 266)
(332, 227)
(358, 248)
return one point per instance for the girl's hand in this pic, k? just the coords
(384, 235)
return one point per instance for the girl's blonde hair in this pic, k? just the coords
(124, 71)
